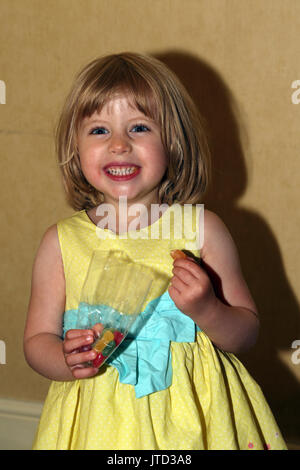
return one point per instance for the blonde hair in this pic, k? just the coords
(156, 92)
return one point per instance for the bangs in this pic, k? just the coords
(118, 78)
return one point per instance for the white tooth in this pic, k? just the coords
(121, 171)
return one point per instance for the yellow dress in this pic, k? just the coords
(193, 397)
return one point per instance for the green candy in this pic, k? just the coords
(109, 348)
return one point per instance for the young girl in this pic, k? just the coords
(129, 131)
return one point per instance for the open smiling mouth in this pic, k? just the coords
(122, 172)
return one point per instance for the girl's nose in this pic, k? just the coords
(119, 144)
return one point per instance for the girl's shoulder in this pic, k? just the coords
(215, 230)
(221, 260)
(50, 238)
(47, 298)
(218, 244)
(49, 248)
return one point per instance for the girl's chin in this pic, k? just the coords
(122, 198)
(132, 195)
(130, 198)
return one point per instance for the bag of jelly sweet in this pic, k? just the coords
(113, 294)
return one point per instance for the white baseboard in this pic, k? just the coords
(18, 423)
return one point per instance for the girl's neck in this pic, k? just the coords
(122, 214)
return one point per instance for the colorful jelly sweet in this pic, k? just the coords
(103, 341)
(99, 359)
(118, 336)
(109, 348)
(105, 345)
(178, 254)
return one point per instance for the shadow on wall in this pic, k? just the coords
(259, 251)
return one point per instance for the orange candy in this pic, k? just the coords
(177, 254)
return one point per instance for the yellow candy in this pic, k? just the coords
(103, 341)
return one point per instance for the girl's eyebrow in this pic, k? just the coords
(87, 122)
(103, 121)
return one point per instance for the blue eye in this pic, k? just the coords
(99, 131)
(140, 128)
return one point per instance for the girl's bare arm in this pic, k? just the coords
(44, 349)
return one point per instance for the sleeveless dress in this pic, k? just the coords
(169, 387)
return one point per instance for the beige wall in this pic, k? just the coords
(238, 58)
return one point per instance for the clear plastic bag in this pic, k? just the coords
(112, 297)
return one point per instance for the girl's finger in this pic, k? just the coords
(186, 276)
(173, 292)
(97, 329)
(189, 266)
(75, 333)
(84, 372)
(80, 358)
(178, 284)
(71, 345)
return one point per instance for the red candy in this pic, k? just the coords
(99, 359)
(118, 336)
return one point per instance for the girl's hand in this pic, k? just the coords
(191, 288)
(74, 343)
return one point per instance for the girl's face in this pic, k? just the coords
(121, 153)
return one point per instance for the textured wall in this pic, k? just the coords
(238, 58)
